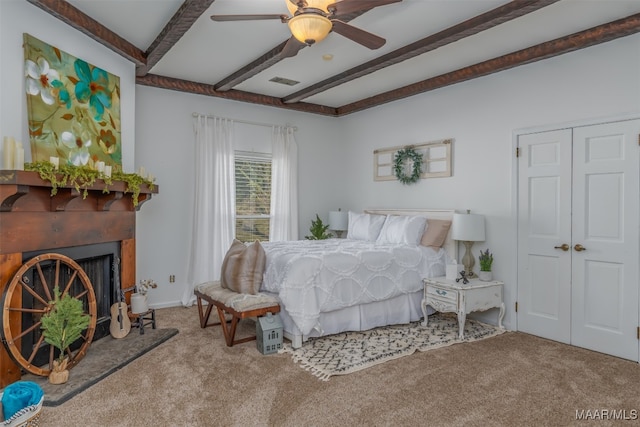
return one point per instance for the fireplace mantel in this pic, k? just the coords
(31, 219)
(16, 184)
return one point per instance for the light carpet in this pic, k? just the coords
(104, 357)
(350, 352)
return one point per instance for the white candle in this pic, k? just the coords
(100, 166)
(142, 172)
(18, 163)
(8, 152)
(54, 161)
(107, 170)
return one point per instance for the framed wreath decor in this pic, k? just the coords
(402, 156)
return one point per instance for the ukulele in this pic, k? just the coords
(120, 322)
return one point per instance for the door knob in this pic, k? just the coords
(579, 248)
(564, 247)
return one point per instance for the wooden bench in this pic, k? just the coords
(238, 306)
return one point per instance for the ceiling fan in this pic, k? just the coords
(312, 20)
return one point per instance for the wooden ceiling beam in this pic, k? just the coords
(267, 60)
(475, 25)
(177, 26)
(580, 40)
(92, 28)
(235, 95)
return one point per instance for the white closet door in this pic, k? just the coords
(544, 225)
(606, 222)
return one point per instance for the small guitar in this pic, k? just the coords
(120, 323)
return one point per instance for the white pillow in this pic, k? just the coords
(402, 229)
(364, 226)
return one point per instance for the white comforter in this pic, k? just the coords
(312, 276)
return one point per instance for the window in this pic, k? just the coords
(253, 196)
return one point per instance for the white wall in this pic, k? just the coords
(18, 17)
(481, 116)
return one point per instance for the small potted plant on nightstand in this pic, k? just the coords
(318, 230)
(486, 259)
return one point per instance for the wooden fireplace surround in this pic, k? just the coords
(32, 219)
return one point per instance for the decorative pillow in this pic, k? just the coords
(436, 232)
(402, 229)
(243, 267)
(364, 226)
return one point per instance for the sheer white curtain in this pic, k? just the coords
(214, 208)
(284, 185)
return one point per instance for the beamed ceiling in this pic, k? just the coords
(430, 44)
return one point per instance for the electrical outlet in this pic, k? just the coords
(172, 278)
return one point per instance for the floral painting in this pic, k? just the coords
(73, 108)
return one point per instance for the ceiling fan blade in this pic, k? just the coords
(345, 7)
(292, 48)
(223, 18)
(365, 38)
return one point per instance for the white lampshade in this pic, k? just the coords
(468, 227)
(338, 220)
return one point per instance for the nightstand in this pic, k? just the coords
(455, 297)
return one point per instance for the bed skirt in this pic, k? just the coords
(401, 309)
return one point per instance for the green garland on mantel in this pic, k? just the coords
(407, 153)
(82, 177)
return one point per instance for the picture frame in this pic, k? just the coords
(73, 108)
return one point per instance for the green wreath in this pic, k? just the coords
(398, 166)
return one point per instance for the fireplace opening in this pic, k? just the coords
(97, 261)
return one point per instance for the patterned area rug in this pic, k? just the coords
(349, 352)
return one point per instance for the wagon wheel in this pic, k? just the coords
(50, 269)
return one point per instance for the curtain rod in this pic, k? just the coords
(246, 122)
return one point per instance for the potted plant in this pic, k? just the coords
(486, 260)
(139, 303)
(62, 326)
(318, 230)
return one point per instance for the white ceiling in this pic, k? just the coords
(210, 51)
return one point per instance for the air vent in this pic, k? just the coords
(284, 81)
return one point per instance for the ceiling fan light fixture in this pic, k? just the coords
(310, 28)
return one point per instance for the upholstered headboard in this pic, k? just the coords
(450, 245)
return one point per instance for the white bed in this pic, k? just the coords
(337, 285)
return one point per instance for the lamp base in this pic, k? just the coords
(468, 260)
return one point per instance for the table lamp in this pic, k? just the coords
(338, 221)
(468, 228)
